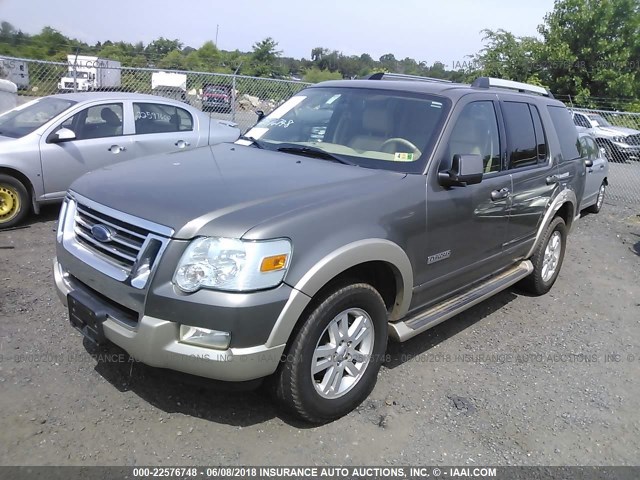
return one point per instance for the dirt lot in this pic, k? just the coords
(518, 380)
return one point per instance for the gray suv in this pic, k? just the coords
(356, 211)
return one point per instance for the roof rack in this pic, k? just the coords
(488, 82)
(402, 76)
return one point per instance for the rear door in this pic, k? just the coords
(596, 173)
(532, 170)
(162, 128)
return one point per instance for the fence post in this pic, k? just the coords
(75, 75)
(233, 98)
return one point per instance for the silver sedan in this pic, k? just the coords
(49, 142)
(597, 173)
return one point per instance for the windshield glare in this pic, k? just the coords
(26, 118)
(373, 128)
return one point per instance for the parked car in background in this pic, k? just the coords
(216, 98)
(49, 142)
(619, 143)
(597, 172)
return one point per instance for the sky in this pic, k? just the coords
(426, 30)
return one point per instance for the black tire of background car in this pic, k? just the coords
(596, 207)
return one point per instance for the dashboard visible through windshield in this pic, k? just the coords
(373, 128)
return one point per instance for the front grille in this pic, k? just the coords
(68, 84)
(633, 140)
(125, 244)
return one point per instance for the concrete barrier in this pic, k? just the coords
(8, 95)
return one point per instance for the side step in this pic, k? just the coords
(424, 320)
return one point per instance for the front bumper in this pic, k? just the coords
(156, 342)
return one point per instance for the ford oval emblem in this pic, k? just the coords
(102, 233)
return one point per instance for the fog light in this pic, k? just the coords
(204, 337)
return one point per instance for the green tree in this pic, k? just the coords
(592, 48)
(507, 56)
(264, 58)
(315, 75)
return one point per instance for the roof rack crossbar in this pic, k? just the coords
(402, 76)
(488, 82)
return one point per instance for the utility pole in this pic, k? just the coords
(217, 30)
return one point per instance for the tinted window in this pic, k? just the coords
(160, 118)
(541, 139)
(99, 121)
(476, 132)
(523, 148)
(567, 133)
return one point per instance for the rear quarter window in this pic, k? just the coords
(567, 133)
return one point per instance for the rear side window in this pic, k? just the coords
(523, 147)
(160, 118)
(567, 133)
(541, 139)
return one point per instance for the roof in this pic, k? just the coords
(91, 96)
(450, 90)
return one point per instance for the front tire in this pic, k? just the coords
(333, 360)
(596, 207)
(14, 201)
(547, 259)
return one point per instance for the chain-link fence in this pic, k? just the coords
(229, 97)
(238, 97)
(618, 135)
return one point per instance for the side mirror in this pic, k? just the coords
(465, 170)
(588, 163)
(62, 135)
(260, 114)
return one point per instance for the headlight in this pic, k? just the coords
(231, 264)
(620, 139)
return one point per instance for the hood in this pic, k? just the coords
(225, 189)
(609, 132)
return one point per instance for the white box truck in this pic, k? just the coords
(16, 71)
(87, 73)
(169, 85)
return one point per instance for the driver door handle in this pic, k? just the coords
(116, 149)
(182, 144)
(500, 194)
(552, 179)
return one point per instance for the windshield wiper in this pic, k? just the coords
(314, 152)
(254, 141)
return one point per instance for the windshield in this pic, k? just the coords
(599, 121)
(26, 118)
(373, 128)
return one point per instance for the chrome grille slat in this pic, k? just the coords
(104, 247)
(124, 245)
(107, 222)
(117, 238)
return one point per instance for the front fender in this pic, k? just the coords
(337, 262)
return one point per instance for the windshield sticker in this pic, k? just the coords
(275, 122)
(436, 105)
(403, 157)
(286, 106)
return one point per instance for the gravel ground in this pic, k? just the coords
(516, 380)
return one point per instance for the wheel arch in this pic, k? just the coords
(371, 261)
(565, 205)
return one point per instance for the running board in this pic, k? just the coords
(424, 320)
